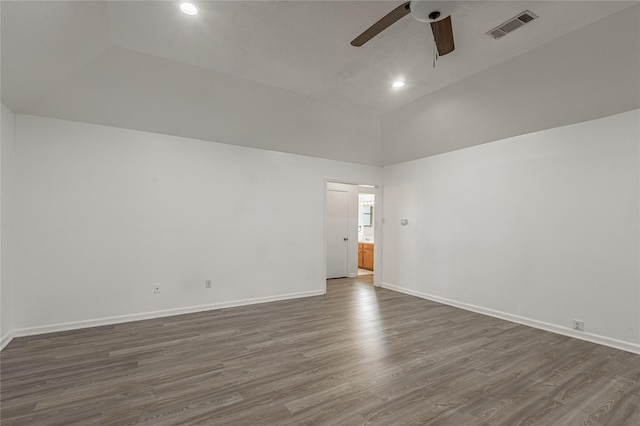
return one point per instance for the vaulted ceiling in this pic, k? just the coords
(282, 75)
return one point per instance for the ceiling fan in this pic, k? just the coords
(437, 13)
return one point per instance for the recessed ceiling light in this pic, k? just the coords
(397, 84)
(188, 8)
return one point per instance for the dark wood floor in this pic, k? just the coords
(358, 355)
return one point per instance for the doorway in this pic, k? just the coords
(350, 224)
(366, 231)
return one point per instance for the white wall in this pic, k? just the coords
(7, 123)
(540, 228)
(104, 213)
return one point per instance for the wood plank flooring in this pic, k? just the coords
(358, 355)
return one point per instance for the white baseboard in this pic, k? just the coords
(566, 331)
(6, 339)
(31, 331)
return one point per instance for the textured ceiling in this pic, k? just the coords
(268, 74)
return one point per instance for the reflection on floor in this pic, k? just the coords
(364, 272)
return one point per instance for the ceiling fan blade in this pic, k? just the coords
(443, 35)
(390, 18)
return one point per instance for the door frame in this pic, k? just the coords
(378, 222)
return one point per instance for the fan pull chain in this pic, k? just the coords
(435, 54)
(435, 47)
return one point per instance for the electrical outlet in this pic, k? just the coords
(207, 284)
(156, 288)
(578, 325)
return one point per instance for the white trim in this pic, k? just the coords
(30, 331)
(378, 237)
(565, 331)
(6, 339)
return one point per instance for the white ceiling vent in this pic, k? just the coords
(512, 24)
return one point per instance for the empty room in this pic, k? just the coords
(320, 212)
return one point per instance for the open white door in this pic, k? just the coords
(337, 233)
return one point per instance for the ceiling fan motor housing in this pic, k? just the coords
(431, 11)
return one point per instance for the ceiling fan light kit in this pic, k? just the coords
(188, 8)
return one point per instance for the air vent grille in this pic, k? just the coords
(512, 24)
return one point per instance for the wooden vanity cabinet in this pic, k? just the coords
(365, 256)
